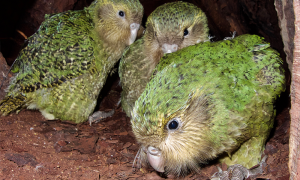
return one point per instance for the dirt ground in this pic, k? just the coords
(34, 148)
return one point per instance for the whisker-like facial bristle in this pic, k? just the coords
(137, 160)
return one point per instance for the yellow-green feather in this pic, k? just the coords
(134, 70)
(65, 63)
(223, 92)
(165, 23)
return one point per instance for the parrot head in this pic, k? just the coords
(173, 135)
(124, 17)
(173, 26)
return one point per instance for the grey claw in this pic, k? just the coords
(99, 115)
(239, 172)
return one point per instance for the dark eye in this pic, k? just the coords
(121, 13)
(173, 124)
(185, 32)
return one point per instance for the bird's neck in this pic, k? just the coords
(154, 53)
(105, 55)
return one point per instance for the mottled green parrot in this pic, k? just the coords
(64, 65)
(209, 100)
(169, 28)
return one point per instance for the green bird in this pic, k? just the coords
(169, 28)
(213, 99)
(65, 64)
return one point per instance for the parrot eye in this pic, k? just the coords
(173, 124)
(121, 13)
(185, 32)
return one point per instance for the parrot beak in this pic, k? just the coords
(169, 48)
(134, 27)
(155, 159)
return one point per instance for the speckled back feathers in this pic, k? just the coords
(223, 95)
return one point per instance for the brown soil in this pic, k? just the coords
(34, 148)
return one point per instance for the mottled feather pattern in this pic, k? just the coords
(165, 25)
(70, 52)
(240, 74)
(7, 105)
(65, 64)
(106, 24)
(222, 92)
(137, 71)
(179, 15)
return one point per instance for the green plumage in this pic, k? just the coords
(135, 71)
(55, 51)
(165, 25)
(66, 62)
(221, 95)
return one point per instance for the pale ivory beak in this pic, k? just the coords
(169, 48)
(134, 27)
(155, 159)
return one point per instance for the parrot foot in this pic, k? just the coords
(210, 38)
(99, 115)
(229, 38)
(239, 172)
(113, 71)
(249, 153)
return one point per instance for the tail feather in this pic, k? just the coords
(12, 103)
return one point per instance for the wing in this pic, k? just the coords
(133, 67)
(61, 49)
(135, 70)
(132, 55)
(270, 76)
(232, 71)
